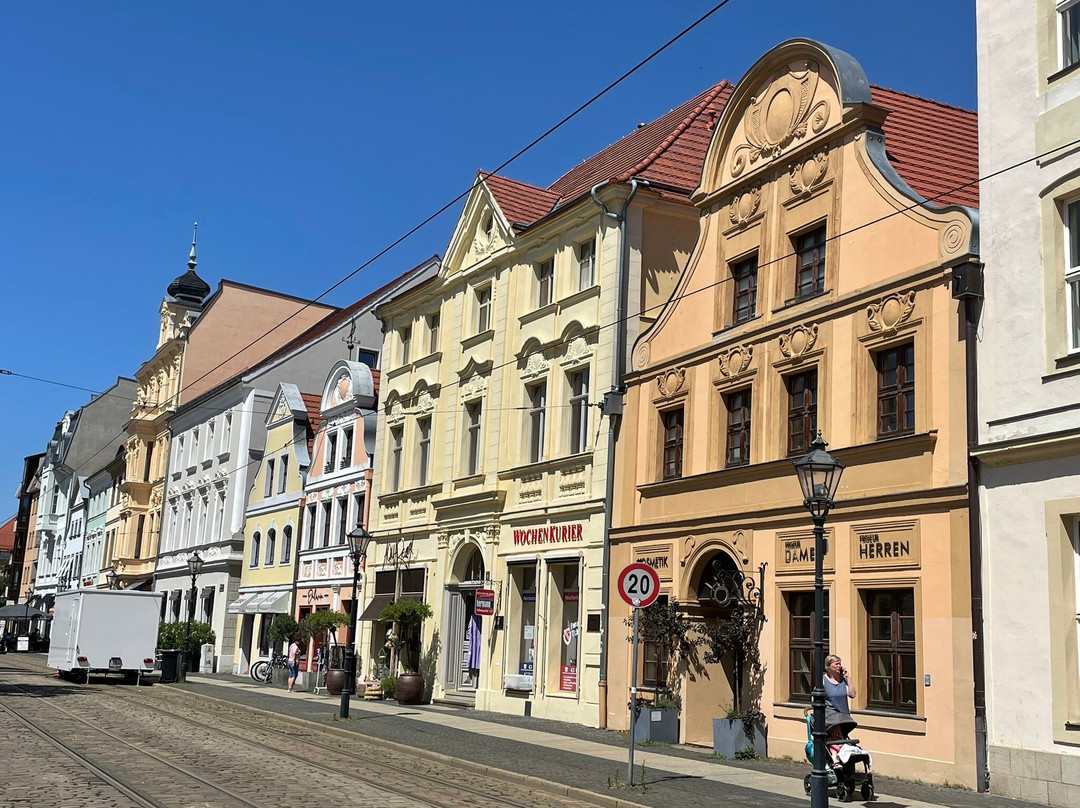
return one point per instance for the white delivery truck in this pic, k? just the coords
(104, 631)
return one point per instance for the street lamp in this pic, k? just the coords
(194, 564)
(112, 578)
(359, 539)
(819, 477)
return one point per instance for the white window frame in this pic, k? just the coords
(271, 547)
(474, 421)
(537, 423)
(585, 252)
(545, 282)
(1064, 8)
(397, 442)
(406, 343)
(256, 547)
(578, 432)
(1072, 273)
(283, 473)
(268, 483)
(483, 308)
(345, 441)
(286, 544)
(433, 322)
(423, 450)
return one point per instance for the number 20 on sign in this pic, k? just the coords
(639, 585)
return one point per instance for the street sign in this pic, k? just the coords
(639, 585)
(485, 602)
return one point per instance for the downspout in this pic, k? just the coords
(967, 287)
(612, 407)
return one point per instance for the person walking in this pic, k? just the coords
(294, 662)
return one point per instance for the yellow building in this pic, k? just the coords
(817, 297)
(272, 523)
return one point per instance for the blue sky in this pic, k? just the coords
(304, 139)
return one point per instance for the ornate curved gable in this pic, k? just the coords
(348, 383)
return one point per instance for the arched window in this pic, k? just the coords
(271, 541)
(286, 544)
(256, 540)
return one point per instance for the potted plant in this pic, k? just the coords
(409, 617)
(173, 636)
(734, 639)
(663, 625)
(324, 625)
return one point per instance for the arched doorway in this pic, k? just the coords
(462, 627)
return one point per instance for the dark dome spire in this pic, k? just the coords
(189, 287)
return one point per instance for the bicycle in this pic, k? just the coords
(263, 670)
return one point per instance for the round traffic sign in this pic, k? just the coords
(639, 585)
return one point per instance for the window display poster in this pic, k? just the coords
(568, 678)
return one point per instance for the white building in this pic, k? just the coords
(1028, 453)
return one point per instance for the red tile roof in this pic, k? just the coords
(933, 146)
(312, 403)
(7, 535)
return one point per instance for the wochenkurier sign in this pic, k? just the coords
(548, 534)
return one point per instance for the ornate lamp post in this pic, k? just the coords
(112, 578)
(819, 477)
(194, 564)
(359, 539)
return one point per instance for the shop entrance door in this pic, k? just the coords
(463, 632)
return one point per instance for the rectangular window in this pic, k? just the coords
(268, 489)
(148, 470)
(891, 649)
(522, 627)
(423, 450)
(801, 676)
(473, 413)
(738, 428)
(358, 509)
(343, 520)
(537, 418)
(579, 411)
(331, 451)
(586, 257)
(810, 264)
(326, 523)
(226, 433)
(563, 642)
(1072, 264)
(406, 344)
(896, 390)
(545, 282)
(309, 542)
(744, 276)
(1069, 23)
(283, 473)
(483, 309)
(802, 411)
(346, 447)
(369, 358)
(396, 441)
(673, 443)
(433, 332)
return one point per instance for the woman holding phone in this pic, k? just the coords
(837, 682)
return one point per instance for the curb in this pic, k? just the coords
(591, 797)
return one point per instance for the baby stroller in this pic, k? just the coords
(843, 758)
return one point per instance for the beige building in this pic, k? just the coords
(817, 297)
(493, 436)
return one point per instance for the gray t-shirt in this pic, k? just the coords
(836, 695)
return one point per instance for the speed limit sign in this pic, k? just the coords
(639, 585)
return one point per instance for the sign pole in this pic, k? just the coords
(633, 699)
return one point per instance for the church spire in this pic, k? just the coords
(191, 262)
(189, 288)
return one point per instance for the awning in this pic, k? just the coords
(272, 603)
(380, 602)
(242, 605)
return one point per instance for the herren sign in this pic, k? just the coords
(885, 545)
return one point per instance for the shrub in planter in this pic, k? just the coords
(324, 624)
(735, 638)
(409, 616)
(665, 626)
(172, 635)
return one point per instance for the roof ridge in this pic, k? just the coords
(486, 174)
(927, 100)
(667, 142)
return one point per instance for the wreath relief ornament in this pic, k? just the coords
(735, 361)
(670, 382)
(798, 341)
(890, 312)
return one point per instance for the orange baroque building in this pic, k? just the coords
(834, 217)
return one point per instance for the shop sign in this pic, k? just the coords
(659, 558)
(885, 545)
(570, 596)
(548, 534)
(568, 677)
(795, 551)
(525, 669)
(485, 602)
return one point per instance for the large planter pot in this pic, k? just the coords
(335, 681)
(657, 725)
(730, 737)
(410, 688)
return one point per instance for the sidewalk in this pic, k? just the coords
(578, 756)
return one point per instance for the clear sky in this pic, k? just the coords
(305, 138)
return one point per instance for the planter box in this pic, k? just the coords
(659, 725)
(729, 737)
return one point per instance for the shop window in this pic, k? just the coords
(433, 332)
(537, 420)
(738, 428)
(1072, 263)
(801, 674)
(744, 276)
(256, 542)
(586, 258)
(545, 283)
(474, 413)
(810, 264)
(521, 637)
(802, 410)
(896, 390)
(890, 649)
(564, 640)
(673, 443)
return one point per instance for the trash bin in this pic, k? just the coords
(170, 666)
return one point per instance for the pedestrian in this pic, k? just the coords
(837, 682)
(294, 662)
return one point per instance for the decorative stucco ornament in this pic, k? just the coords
(798, 341)
(396, 414)
(535, 366)
(735, 361)
(744, 206)
(953, 238)
(342, 390)
(641, 356)
(474, 387)
(890, 312)
(810, 173)
(671, 382)
(578, 349)
(782, 113)
(425, 403)
(688, 545)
